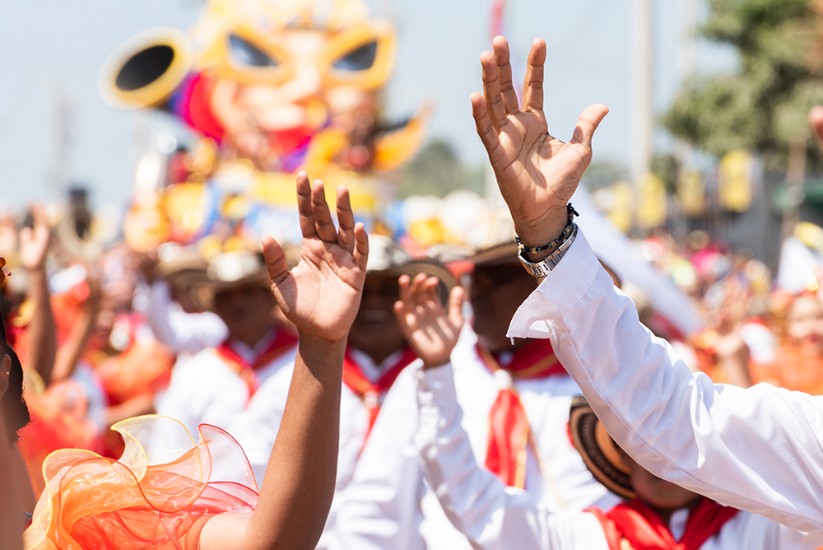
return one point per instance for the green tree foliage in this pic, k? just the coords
(764, 106)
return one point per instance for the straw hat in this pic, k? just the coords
(600, 453)
(223, 271)
(387, 257)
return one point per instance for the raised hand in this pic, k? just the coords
(321, 295)
(34, 241)
(536, 172)
(429, 330)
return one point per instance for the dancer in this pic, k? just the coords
(320, 297)
(654, 514)
(757, 449)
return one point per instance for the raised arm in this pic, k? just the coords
(320, 296)
(42, 331)
(757, 449)
(536, 172)
(430, 331)
(476, 502)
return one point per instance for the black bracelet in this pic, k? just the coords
(555, 243)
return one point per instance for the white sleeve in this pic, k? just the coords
(758, 449)
(381, 506)
(181, 332)
(477, 503)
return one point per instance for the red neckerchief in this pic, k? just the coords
(643, 529)
(281, 342)
(370, 393)
(509, 430)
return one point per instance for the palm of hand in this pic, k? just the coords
(428, 329)
(322, 293)
(34, 245)
(432, 338)
(537, 170)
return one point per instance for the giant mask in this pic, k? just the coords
(272, 86)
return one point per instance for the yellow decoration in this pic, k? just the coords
(736, 181)
(621, 211)
(691, 192)
(651, 210)
(809, 234)
(145, 228)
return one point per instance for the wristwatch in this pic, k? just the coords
(544, 266)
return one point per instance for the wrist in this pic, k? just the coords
(533, 253)
(311, 344)
(549, 228)
(434, 364)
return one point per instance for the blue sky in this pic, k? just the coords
(52, 45)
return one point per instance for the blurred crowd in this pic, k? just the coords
(107, 333)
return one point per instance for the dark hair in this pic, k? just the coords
(15, 411)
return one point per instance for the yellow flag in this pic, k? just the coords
(735, 193)
(691, 190)
(651, 206)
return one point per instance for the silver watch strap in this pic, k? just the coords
(545, 266)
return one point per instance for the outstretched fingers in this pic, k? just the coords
(504, 71)
(587, 123)
(456, 298)
(304, 208)
(485, 129)
(533, 79)
(345, 220)
(323, 222)
(361, 247)
(275, 258)
(491, 89)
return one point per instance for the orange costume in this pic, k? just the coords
(158, 498)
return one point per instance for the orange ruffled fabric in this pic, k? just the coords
(149, 498)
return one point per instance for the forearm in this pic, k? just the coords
(299, 483)
(741, 447)
(11, 512)
(42, 330)
(475, 500)
(136, 406)
(70, 353)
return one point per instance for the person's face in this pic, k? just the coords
(655, 492)
(495, 294)
(375, 330)
(276, 114)
(804, 323)
(246, 310)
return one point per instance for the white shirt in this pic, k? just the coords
(387, 504)
(182, 332)
(758, 449)
(205, 389)
(494, 516)
(354, 422)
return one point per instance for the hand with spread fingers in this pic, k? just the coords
(536, 172)
(35, 240)
(430, 331)
(322, 293)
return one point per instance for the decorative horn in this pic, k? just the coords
(147, 69)
(73, 230)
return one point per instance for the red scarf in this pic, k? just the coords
(281, 342)
(371, 393)
(643, 529)
(509, 431)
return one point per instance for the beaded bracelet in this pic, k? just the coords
(555, 243)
